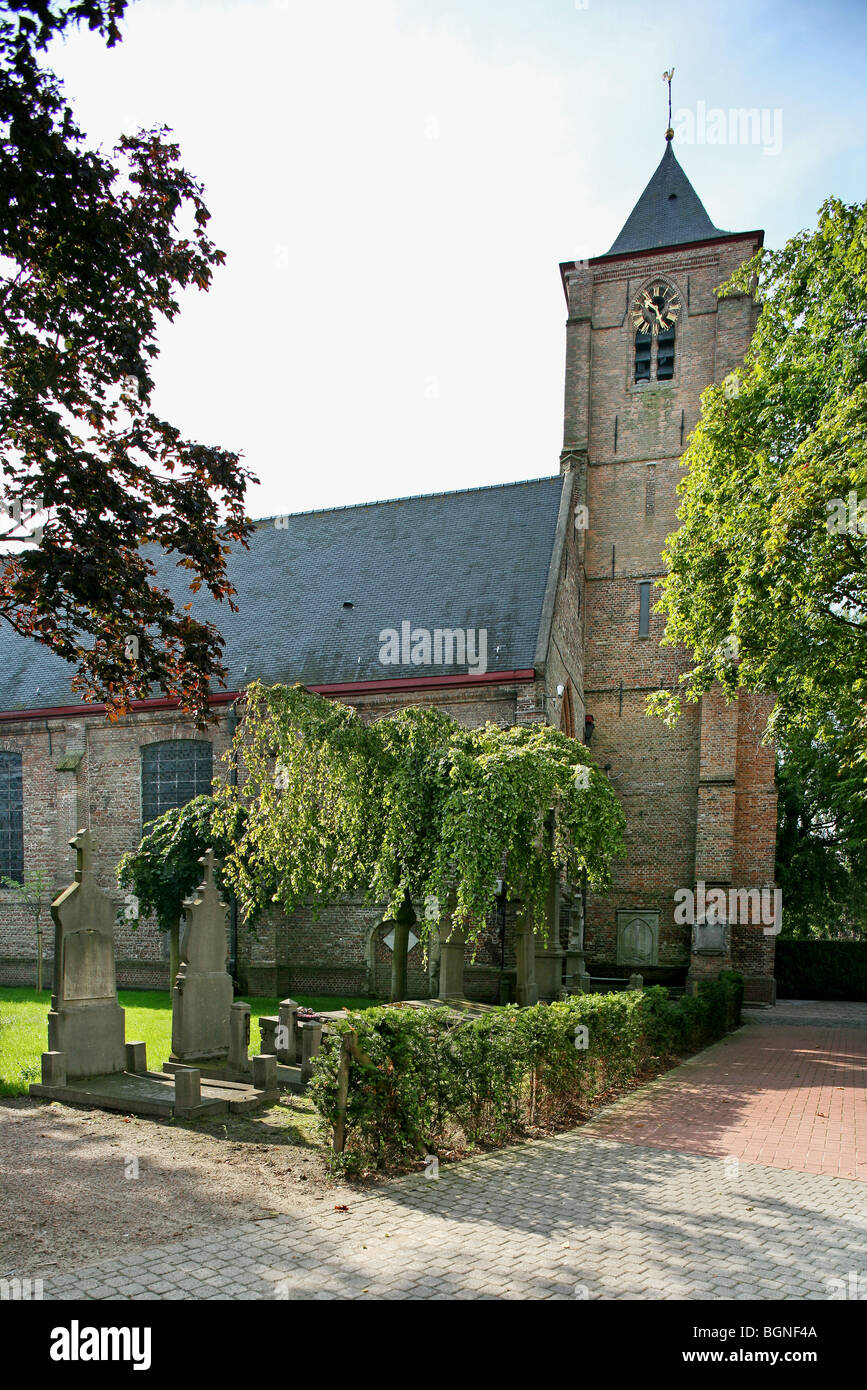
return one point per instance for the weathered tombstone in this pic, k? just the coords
(264, 1068)
(525, 960)
(202, 996)
(287, 1042)
(452, 942)
(268, 1026)
(239, 1039)
(136, 1058)
(311, 1040)
(188, 1090)
(548, 964)
(452, 948)
(53, 1069)
(88, 1062)
(85, 1022)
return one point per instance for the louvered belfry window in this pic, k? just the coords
(665, 355)
(642, 356)
(172, 773)
(11, 816)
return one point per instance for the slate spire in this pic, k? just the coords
(668, 213)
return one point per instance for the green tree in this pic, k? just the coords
(95, 249)
(767, 575)
(30, 892)
(165, 870)
(821, 843)
(408, 808)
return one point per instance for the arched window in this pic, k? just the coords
(567, 713)
(172, 773)
(11, 816)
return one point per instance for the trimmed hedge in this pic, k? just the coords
(821, 969)
(427, 1083)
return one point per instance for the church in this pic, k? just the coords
(522, 603)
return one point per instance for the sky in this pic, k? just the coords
(395, 183)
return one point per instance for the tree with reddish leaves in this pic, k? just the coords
(93, 250)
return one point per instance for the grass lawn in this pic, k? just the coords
(24, 1027)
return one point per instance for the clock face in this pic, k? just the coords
(655, 309)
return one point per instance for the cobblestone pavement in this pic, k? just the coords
(573, 1217)
(586, 1215)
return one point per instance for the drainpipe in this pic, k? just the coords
(232, 720)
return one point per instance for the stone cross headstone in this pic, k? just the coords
(202, 996)
(85, 1021)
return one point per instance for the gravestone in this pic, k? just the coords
(85, 1022)
(88, 1062)
(239, 1040)
(287, 1041)
(202, 995)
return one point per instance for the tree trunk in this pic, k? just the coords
(404, 920)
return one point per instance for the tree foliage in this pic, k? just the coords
(165, 870)
(30, 890)
(95, 250)
(821, 842)
(409, 806)
(767, 584)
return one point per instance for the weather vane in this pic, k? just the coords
(666, 77)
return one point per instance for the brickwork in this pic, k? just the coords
(699, 799)
(329, 954)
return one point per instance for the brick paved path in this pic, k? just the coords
(585, 1214)
(778, 1092)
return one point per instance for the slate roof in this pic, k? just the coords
(476, 559)
(668, 213)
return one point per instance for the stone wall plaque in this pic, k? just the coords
(637, 937)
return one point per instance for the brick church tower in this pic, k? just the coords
(646, 334)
